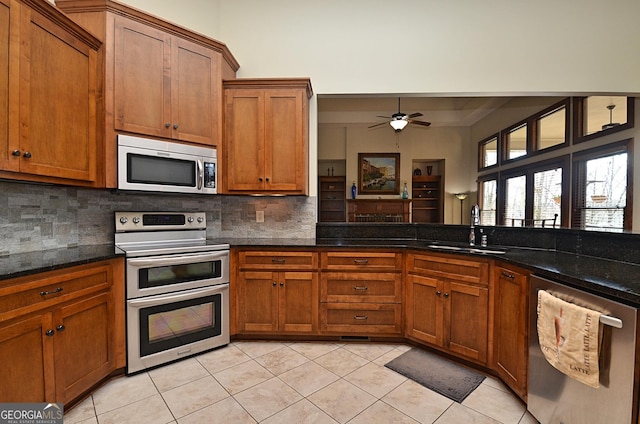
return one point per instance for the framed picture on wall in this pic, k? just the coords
(378, 173)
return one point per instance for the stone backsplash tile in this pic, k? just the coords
(36, 217)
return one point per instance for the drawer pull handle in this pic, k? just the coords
(278, 260)
(44, 293)
(360, 287)
(360, 317)
(508, 275)
(361, 261)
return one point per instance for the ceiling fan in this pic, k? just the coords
(400, 120)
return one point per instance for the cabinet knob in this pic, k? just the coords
(438, 293)
(49, 333)
(267, 179)
(281, 284)
(175, 126)
(275, 283)
(61, 327)
(26, 155)
(446, 295)
(167, 125)
(507, 275)
(16, 153)
(260, 179)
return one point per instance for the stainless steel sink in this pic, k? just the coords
(481, 250)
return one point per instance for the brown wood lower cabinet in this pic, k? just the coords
(510, 338)
(361, 293)
(447, 304)
(61, 332)
(277, 292)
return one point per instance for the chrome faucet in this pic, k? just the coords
(475, 220)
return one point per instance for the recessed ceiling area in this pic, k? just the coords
(440, 111)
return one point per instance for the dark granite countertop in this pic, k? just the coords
(22, 264)
(616, 280)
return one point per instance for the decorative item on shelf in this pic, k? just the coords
(405, 192)
(417, 172)
(461, 197)
(353, 190)
(429, 169)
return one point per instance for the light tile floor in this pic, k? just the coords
(274, 382)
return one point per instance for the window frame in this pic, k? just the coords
(529, 170)
(495, 176)
(578, 121)
(481, 150)
(566, 103)
(580, 158)
(504, 135)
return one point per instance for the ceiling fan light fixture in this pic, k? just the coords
(611, 124)
(398, 124)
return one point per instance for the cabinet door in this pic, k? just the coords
(424, 309)
(298, 301)
(258, 301)
(285, 152)
(466, 317)
(244, 140)
(142, 85)
(195, 93)
(510, 328)
(57, 101)
(9, 68)
(83, 345)
(26, 365)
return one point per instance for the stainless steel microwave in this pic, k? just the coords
(162, 166)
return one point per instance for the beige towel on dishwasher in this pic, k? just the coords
(568, 336)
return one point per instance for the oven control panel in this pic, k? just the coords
(154, 221)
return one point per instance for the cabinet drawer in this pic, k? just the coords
(26, 295)
(374, 261)
(382, 287)
(450, 268)
(277, 260)
(357, 318)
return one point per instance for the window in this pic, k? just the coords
(488, 199)
(551, 127)
(536, 195)
(602, 200)
(488, 149)
(515, 142)
(547, 197)
(515, 191)
(601, 115)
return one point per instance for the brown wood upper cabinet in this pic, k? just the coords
(159, 79)
(266, 136)
(47, 96)
(165, 86)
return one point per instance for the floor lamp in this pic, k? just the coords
(461, 197)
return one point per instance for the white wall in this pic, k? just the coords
(424, 46)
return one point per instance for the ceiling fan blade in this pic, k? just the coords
(415, 115)
(423, 123)
(379, 125)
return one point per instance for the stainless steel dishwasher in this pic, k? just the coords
(556, 398)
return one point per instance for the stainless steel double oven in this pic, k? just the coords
(177, 287)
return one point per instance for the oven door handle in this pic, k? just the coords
(150, 301)
(176, 260)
